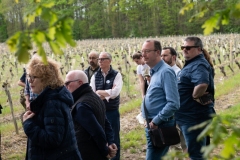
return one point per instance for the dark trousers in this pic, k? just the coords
(113, 117)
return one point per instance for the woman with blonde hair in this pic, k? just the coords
(48, 125)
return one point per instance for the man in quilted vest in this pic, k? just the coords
(93, 131)
(107, 83)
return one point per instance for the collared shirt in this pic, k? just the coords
(115, 91)
(162, 98)
(196, 71)
(28, 91)
(176, 69)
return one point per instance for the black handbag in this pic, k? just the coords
(164, 136)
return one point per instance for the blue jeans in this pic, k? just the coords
(154, 153)
(193, 146)
(113, 117)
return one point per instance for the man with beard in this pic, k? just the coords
(169, 55)
(92, 60)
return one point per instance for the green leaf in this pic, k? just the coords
(48, 5)
(187, 7)
(211, 24)
(55, 48)
(23, 47)
(23, 55)
(51, 33)
(42, 53)
(30, 18)
(39, 36)
(12, 42)
(229, 149)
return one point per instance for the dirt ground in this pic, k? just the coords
(17, 143)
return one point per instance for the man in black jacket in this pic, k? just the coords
(93, 131)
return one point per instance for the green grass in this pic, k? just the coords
(231, 113)
(227, 85)
(9, 127)
(133, 139)
(131, 105)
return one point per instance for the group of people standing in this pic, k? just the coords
(78, 118)
(174, 95)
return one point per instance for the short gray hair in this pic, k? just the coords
(108, 55)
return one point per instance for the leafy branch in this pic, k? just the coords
(218, 18)
(58, 33)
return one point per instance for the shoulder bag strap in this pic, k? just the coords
(146, 113)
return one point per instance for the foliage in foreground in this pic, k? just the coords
(58, 34)
(224, 131)
(218, 16)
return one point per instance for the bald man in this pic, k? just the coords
(93, 62)
(93, 131)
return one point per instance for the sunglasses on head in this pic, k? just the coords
(188, 47)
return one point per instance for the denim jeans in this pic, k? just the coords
(193, 146)
(113, 117)
(154, 153)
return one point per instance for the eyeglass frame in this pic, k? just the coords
(188, 47)
(68, 82)
(148, 51)
(32, 78)
(102, 59)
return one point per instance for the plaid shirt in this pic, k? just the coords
(28, 91)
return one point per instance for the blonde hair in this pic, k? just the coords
(49, 73)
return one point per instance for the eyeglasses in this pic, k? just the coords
(188, 47)
(148, 51)
(31, 78)
(68, 82)
(102, 59)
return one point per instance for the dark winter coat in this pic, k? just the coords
(51, 132)
(91, 138)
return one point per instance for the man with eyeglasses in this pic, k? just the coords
(107, 83)
(93, 131)
(195, 86)
(93, 62)
(162, 98)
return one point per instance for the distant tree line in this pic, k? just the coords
(113, 18)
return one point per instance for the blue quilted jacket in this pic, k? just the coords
(51, 132)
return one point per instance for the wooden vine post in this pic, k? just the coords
(231, 51)
(5, 86)
(0, 137)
